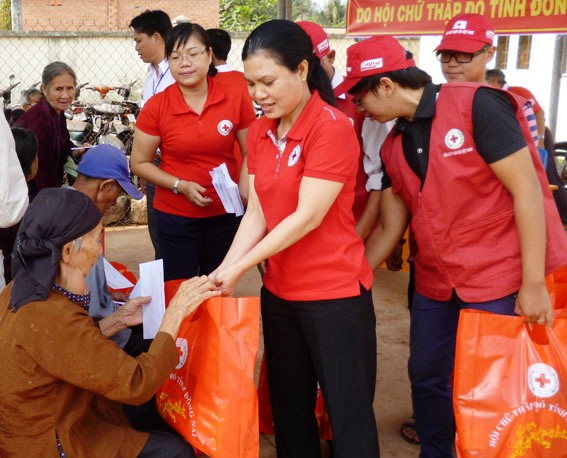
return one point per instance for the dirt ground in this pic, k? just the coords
(131, 245)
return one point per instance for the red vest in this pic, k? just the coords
(463, 218)
(360, 192)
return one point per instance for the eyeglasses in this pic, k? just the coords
(357, 99)
(178, 58)
(461, 57)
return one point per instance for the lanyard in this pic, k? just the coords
(155, 88)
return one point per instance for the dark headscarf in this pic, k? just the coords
(55, 217)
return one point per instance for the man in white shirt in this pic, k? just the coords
(150, 29)
(372, 133)
(13, 187)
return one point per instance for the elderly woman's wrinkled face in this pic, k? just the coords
(60, 92)
(86, 257)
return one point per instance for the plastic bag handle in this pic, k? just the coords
(538, 333)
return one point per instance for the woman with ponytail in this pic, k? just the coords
(195, 123)
(318, 315)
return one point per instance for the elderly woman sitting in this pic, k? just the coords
(61, 380)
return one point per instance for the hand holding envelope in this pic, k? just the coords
(227, 190)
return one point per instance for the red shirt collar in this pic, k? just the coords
(307, 118)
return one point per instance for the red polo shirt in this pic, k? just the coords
(236, 78)
(329, 262)
(193, 144)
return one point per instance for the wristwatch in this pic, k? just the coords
(176, 186)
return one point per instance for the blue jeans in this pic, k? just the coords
(433, 332)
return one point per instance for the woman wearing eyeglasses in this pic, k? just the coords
(484, 221)
(194, 123)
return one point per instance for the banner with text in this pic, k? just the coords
(429, 17)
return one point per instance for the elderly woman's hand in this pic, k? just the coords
(190, 295)
(129, 314)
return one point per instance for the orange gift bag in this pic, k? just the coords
(210, 397)
(556, 283)
(510, 387)
(265, 409)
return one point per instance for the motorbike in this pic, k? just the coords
(110, 122)
(101, 122)
(7, 97)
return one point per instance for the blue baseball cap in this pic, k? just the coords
(109, 162)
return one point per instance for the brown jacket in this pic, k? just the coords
(60, 375)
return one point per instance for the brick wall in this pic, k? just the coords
(108, 15)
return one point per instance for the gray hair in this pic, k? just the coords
(28, 93)
(55, 69)
(77, 244)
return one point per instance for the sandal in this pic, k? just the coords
(409, 432)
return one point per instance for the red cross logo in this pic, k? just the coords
(224, 127)
(294, 156)
(454, 139)
(542, 380)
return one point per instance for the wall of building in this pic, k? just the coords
(537, 78)
(108, 15)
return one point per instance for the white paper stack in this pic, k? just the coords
(151, 284)
(227, 190)
(114, 278)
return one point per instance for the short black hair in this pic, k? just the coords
(26, 147)
(497, 74)
(152, 21)
(220, 43)
(15, 115)
(411, 78)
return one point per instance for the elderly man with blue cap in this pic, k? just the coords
(103, 174)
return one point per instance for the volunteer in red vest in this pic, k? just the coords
(195, 124)
(317, 310)
(461, 161)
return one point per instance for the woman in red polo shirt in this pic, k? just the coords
(195, 124)
(318, 316)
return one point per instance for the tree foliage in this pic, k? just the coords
(5, 15)
(305, 10)
(333, 14)
(246, 15)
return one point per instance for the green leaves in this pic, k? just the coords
(246, 15)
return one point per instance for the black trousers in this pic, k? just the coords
(194, 246)
(152, 219)
(332, 342)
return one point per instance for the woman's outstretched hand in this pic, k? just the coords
(226, 278)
